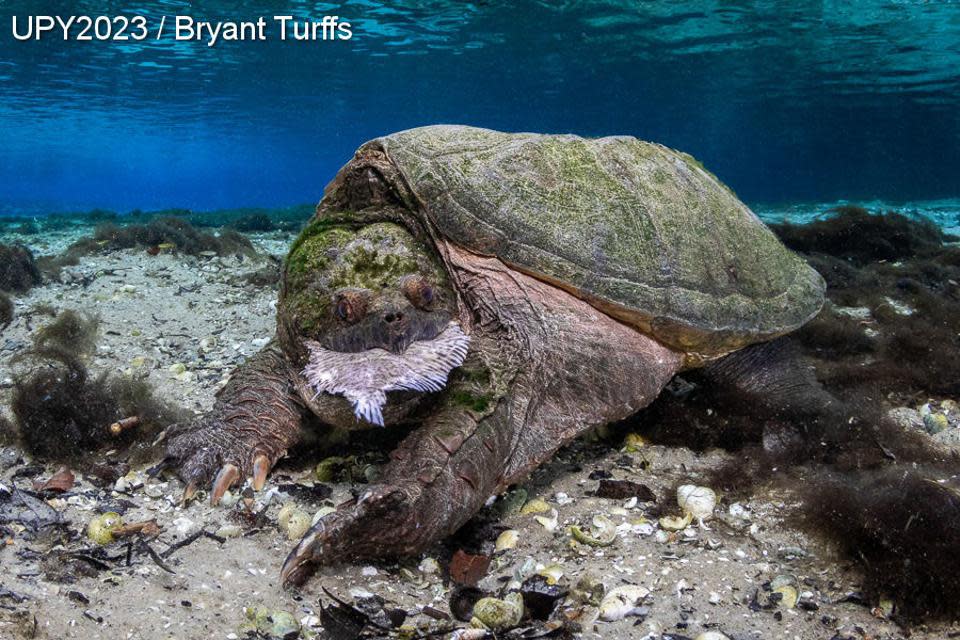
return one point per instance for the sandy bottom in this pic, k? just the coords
(156, 313)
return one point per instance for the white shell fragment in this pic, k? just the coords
(507, 540)
(365, 378)
(552, 573)
(549, 522)
(622, 602)
(601, 534)
(675, 523)
(697, 502)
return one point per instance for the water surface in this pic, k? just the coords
(787, 102)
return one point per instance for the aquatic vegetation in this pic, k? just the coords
(184, 237)
(164, 233)
(854, 234)
(18, 268)
(888, 334)
(254, 222)
(886, 346)
(6, 310)
(62, 412)
(903, 525)
(70, 336)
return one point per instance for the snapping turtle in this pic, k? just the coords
(497, 294)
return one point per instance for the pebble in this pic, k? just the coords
(229, 531)
(537, 505)
(185, 526)
(497, 614)
(934, 423)
(152, 490)
(906, 418)
(429, 566)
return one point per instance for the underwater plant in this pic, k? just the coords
(881, 493)
(159, 234)
(254, 222)
(18, 268)
(176, 232)
(6, 311)
(852, 233)
(62, 412)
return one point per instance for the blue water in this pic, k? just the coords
(787, 102)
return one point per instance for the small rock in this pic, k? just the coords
(429, 566)
(229, 531)
(934, 423)
(906, 418)
(537, 505)
(185, 526)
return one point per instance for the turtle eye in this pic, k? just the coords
(419, 292)
(349, 306)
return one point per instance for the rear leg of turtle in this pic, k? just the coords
(257, 417)
(554, 368)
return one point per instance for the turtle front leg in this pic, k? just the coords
(256, 418)
(437, 479)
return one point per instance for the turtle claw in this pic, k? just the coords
(376, 524)
(226, 478)
(188, 493)
(261, 467)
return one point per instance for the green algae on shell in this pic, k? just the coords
(100, 529)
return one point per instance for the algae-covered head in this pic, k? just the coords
(368, 311)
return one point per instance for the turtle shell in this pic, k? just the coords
(640, 231)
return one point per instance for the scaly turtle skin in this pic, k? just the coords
(501, 293)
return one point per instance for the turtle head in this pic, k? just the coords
(365, 312)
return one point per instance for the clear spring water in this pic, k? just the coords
(806, 101)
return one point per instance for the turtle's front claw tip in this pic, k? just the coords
(300, 563)
(225, 479)
(261, 467)
(188, 493)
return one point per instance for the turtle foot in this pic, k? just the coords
(381, 522)
(221, 454)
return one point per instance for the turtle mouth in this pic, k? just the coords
(365, 377)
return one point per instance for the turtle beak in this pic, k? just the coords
(392, 329)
